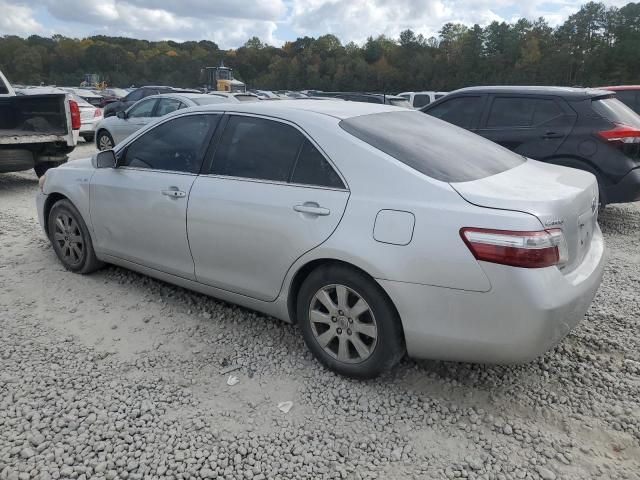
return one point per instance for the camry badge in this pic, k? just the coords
(554, 222)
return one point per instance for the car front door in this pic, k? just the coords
(139, 209)
(134, 119)
(268, 197)
(531, 126)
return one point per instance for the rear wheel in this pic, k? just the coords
(105, 141)
(70, 238)
(348, 322)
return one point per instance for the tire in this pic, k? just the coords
(104, 140)
(358, 345)
(65, 224)
(88, 137)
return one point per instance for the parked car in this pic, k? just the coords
(375, 228)
(38, 129)
(110, 95)
(138, 94)
(627, 94)
(574, 127)
(113, 130)
(88, 95)
(421, 99)
(237, 96)
(374, 98)
(90, 116)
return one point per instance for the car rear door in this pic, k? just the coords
(139, 209)
(268, 196)
(533, 126)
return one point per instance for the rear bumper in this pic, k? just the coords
(526, 312)
(626, 190)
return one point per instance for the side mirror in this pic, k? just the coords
(121, 114)
(106, 159)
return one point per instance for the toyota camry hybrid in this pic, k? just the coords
(376, 229)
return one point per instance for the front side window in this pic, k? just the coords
(521, 112)
(166, 106)
(142, 109)
(460, 111)
(177, 145)
(313, 169)
(135, 96)
(421, 100)
(257, 148)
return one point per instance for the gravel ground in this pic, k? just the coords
(116, 375)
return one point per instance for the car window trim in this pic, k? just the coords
(125, 147)
(228, 114)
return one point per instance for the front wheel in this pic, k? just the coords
(105, 141)
(70, 238)
(348, 322)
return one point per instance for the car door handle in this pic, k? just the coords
(312, 209)
(174, 193)
(552, 135)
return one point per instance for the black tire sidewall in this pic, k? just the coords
(390, 344)
(67, 207)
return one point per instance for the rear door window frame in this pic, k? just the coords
(560, 103)
(207, 164)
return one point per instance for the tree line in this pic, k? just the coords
(597, 45)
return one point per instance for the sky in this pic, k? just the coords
(230, 23)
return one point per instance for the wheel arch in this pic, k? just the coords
(51, 200)
(97, 135)
(305, 270)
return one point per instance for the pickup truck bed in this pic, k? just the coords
(34, 131)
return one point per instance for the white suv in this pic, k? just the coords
(421, 99)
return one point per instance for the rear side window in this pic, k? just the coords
(460, 111)
(313, 169)
(431, 147)
(615, 111)
(421, 100)
(257, 148)
(177, 145)
(166, 106)
(142, 109)
(521, 111)
(134, 96)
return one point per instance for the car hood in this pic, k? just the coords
(560, 197)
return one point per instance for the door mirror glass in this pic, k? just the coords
(106, 159)
(121, 114)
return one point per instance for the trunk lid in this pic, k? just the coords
(559, 197)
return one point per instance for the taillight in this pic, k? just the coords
(538, 249)
(97, 113)
(621, 134)
(75, 115)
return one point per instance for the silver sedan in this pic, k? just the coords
(112, 130)
(378, 230)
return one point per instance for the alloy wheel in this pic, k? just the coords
(343, 324)
(105, 142)
(68, 237)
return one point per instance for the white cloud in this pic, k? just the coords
(231, 23)
(18, 20)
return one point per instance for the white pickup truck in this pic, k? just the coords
(36, 131)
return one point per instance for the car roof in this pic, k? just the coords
(569, 93)
(284, 108)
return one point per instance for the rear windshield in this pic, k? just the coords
(431, 146)
(615, 111)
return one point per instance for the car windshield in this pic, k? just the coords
(398, 102)
(615, 111)
(431, 146)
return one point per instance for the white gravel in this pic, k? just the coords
(116, 375)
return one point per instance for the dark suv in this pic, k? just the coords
(138, 94)
(581, 128)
